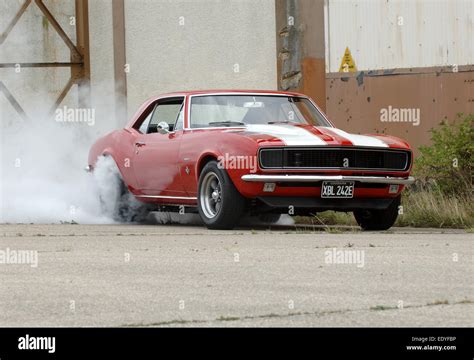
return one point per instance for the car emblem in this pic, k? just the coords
(345, 162)
(187, 170)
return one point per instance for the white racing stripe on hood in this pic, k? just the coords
(289, 134)
(359, 140)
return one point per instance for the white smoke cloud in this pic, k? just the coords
(43, 180)
(42, 160)
(43, 177)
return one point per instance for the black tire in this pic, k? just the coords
(378, 219)
(129, 209)
(269, 218)
(115, 199)
(220, 205)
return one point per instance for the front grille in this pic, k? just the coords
(334, 158)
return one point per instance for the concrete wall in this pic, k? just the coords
(170, 46)
(185, 45)
(33, 39)
(102, 60)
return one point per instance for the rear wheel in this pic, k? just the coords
(378, 219)
(220, 205)
(127, 207)
(115, 199)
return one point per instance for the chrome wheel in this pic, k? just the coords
(211, 195)
(220, 205)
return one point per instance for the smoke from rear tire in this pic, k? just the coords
(115, 199)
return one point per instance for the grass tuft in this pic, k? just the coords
(432, 208)
(421, 208)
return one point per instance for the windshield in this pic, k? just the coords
(237, 110)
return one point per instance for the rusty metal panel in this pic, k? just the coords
(398, 33)
(82, 38)
(356, 102)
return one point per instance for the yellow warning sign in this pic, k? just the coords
(347, 63)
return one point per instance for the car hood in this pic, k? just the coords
(308, 135)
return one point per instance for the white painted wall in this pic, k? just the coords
(185, 45)
(101, 46)
(433, 33)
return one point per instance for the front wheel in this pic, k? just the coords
(220, 205)
(378, 219)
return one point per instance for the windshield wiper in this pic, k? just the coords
(226, 123)
(279, 122)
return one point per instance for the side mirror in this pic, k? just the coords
(163, 127)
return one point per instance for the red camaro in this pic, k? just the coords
(262, 153)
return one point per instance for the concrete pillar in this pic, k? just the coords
(120, 78)
(301, 47)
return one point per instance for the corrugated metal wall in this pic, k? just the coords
(399, 33)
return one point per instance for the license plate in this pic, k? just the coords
(337, 189)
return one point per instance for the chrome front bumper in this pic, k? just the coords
(313, 178)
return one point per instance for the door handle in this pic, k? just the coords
(139, 144)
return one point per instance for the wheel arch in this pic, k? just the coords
(203, 161)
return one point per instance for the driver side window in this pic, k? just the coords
(167, 111)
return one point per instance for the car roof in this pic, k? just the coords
(134, 119)
(228, 91)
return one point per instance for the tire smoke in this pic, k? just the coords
(42, 177)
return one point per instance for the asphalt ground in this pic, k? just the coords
(186, 275)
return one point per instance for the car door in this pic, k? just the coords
(155, 161)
